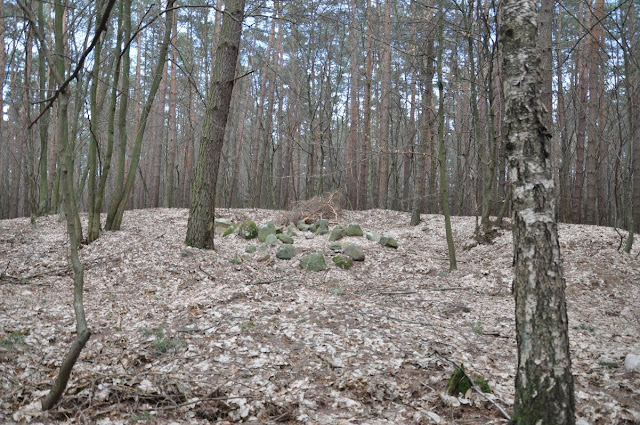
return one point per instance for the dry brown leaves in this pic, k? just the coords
(188, 336)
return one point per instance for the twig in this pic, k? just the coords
(196, 329)
(187, 403)
(474, 386)
(397, 293)
(621, 237)
(265, 282)
(397, 319)
(445, 259)
(202, 270)
(452, 288)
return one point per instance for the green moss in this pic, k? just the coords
(247, 325)
(14, 338)
(460, 384)
(343, 261)
(483, 385)
(248, 230)
(228, 231)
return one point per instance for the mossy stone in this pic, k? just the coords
(343, 261)
(222, 225)
(286, 251)
(302, 226)
(313, 262)
(229, 231)
(248, 230)
(250, 249)
(321, 227)
(373, 236)
(388, 241)
(459, 383)
(354, 251)
(336, 247)
(265, 230)
(271, 239)
(337, 233)
(354, 230)
(285, 238)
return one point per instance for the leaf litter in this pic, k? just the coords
(182, 335)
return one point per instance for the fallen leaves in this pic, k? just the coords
(185, 336)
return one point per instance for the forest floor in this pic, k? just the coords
(182, 335)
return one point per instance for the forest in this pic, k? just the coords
(330, 95)
(441, 154)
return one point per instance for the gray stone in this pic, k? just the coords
(354, 230)
(388, 241)
(265, 230)
(286, 251)
(373, 236)
(263, 257)
(309, 235)
(291, 230)
(337, 233)
(250, 249)
(336, 247)
(302, 226)
(285, 238)
(313, 262)
(248, 230)
(220, 225)
(321, 227)
(271, 239)
(343, 261)
(632, 362)
(354, 251)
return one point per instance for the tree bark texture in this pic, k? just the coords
(201, 214)
(544, 384)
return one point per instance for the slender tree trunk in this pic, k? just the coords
(581, 119)
(632, 172)
(363, 190)
(93, 228)
(114, 217)
(352, 149)
(200, 229)
(544, 384)
(172, 147)
(31, 197)
(385, 83)
(424, 153)
(43, 166)
(592, 206)
(118, 192)
(442, 156)
(562, 133)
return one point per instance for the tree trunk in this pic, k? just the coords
(442, 156)
(93, 228)
(354, 112)
(172, 147)
(385, 83)
(581, 123)
(363, 188)
(114, 217)
(544, 384)
(200, 229)
(117, 194)
(592, 205)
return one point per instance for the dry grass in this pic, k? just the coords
(328, 206)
